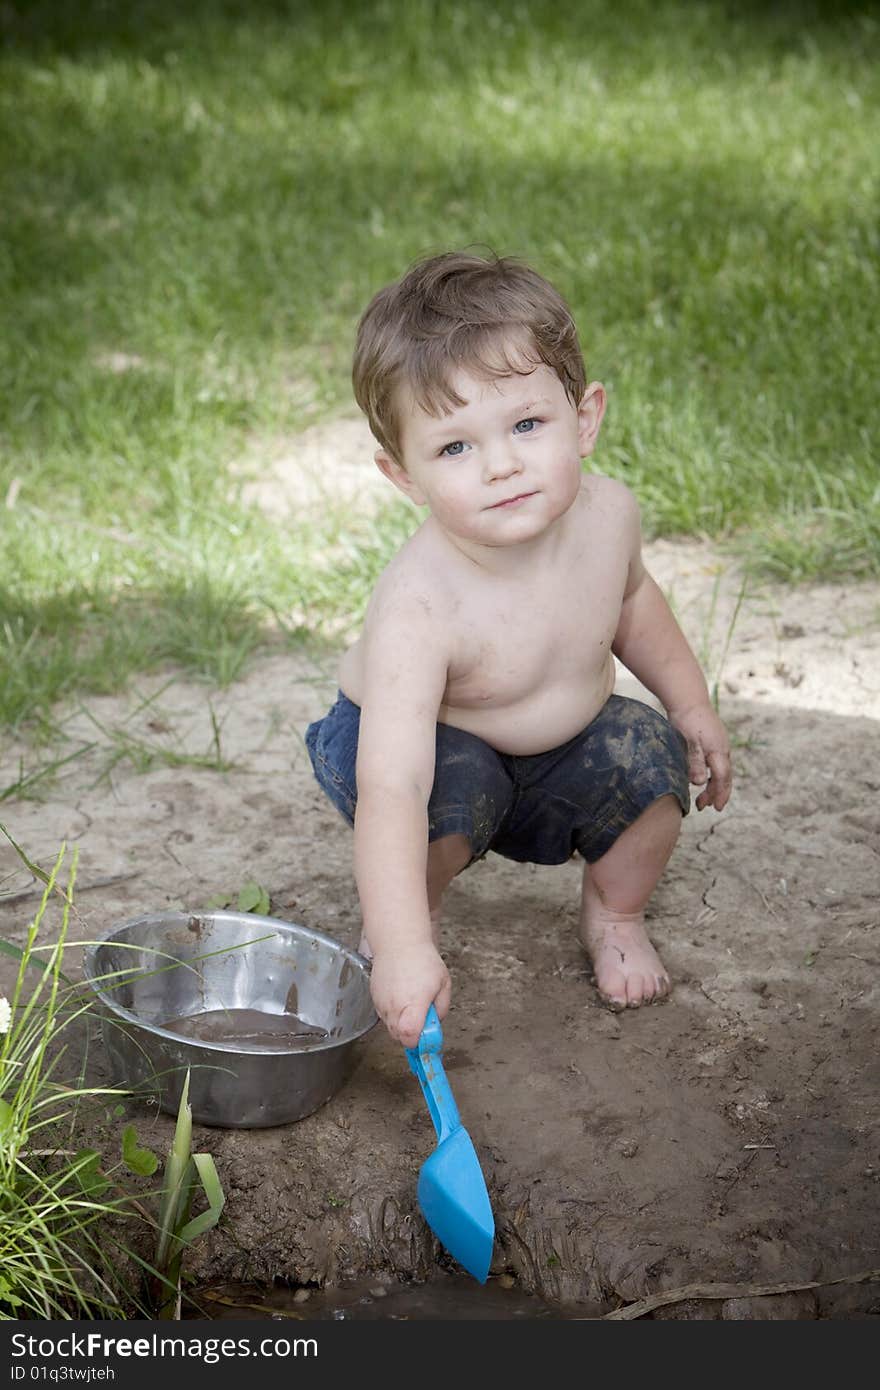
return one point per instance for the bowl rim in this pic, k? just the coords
(93, 980)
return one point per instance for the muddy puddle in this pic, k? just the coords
(445, 1297)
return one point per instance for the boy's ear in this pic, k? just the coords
(590, 415)
(397, 474)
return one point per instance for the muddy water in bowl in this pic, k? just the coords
(247, 1028)
(264, 1015)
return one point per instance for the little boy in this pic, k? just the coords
(476, 710)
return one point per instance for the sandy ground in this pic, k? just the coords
(730, 1135)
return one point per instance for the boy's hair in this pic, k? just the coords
(490, 316)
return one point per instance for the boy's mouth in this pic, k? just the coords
(511, 501)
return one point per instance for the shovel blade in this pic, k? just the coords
(454, 1202)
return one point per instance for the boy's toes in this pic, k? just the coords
(616, 1006)
(647, 989)
(639, 991)
(635, 991)
(612, 990)
(626, 969)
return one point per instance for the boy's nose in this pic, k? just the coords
(502, 462)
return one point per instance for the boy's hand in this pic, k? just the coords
(708, 753)
(404, 982)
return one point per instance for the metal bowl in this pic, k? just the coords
(170, 968)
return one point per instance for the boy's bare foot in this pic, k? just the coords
(628, 970)
(615, 889)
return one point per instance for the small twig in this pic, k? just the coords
(47, 1153)
(763, 896)
(228, 1302)
(723, 1291)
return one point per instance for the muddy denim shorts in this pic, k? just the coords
(539, 809)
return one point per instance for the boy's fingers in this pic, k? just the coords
(697, 769)
(717, 790)
(410, 1024)
(721, 782)
(411, 1019)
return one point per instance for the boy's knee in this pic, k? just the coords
(449, 854)
(662, 816)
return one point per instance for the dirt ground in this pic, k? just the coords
(729, 1135)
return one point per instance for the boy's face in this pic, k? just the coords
(502, 468)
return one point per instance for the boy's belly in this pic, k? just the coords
(535, 722)
(518, 716)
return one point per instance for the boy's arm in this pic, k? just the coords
(651, 644)
(405, 670)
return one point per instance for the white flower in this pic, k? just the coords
(5, 1014)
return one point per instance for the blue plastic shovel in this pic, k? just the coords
(451, 1190)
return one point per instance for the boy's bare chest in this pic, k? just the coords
(514, 642)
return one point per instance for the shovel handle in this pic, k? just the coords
(425, 1061)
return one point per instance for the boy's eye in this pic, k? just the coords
(525, 426)
(453, 449)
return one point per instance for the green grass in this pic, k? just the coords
(61, 1211)
(58, 1247)
(197, 201)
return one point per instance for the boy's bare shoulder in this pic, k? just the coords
(409, 624)
(405, 645)
(609, 498)
(398, 665)
(412, 585)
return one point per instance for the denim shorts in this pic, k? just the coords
(536, 809)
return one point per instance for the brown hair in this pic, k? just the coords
(491, 316)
